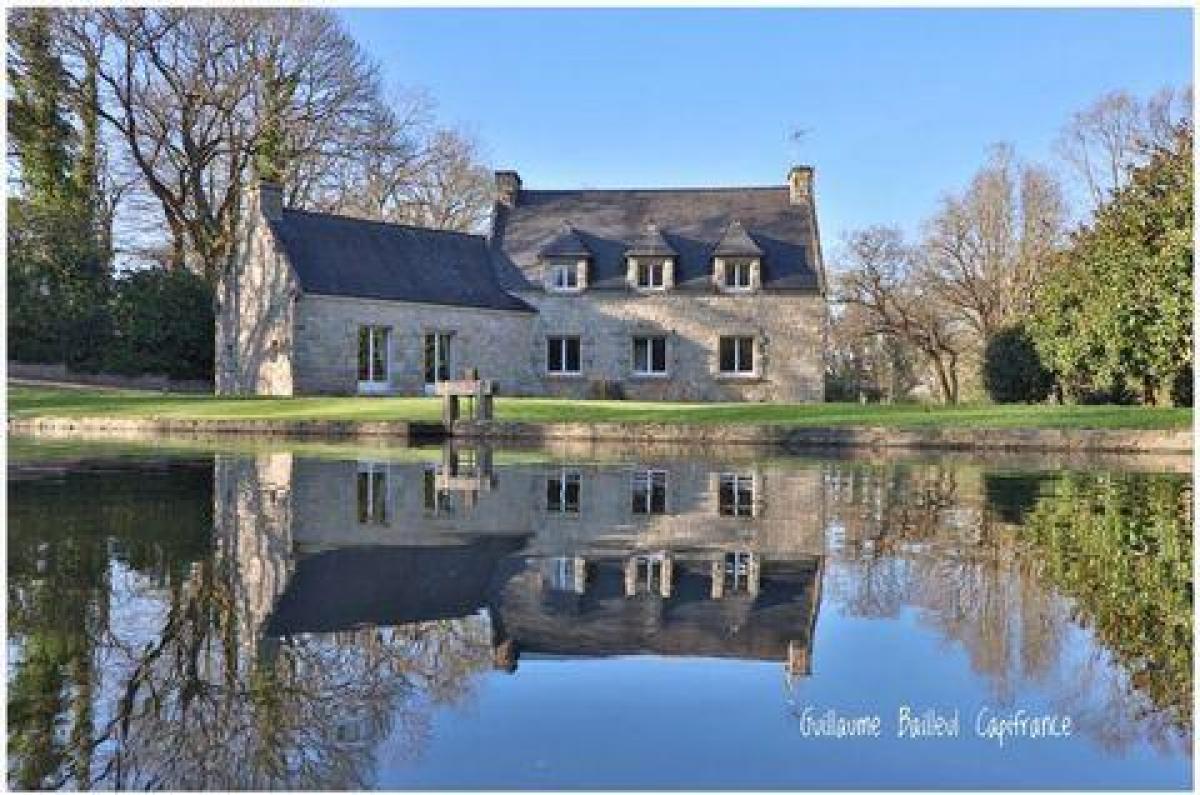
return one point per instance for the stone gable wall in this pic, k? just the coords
(254, 320)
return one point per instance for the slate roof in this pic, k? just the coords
(338, 255)
(691, 221)
(736, 242)
(565, 244)
(651, 243)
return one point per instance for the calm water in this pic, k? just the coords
(425, 618)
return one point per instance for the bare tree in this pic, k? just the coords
(194, 93)
(1102, 142)
(985, 248)
(884, 277)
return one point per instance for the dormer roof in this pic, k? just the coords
(736, 242)
(566, 243)
(651, 243)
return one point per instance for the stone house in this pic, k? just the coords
(707, 294)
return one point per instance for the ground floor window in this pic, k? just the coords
(372, 493)
(737, 355)
(374, 354)
(562, 355)
(650, 355)
(736, 495)
(562, 492)
(437, 357)
(649, 492)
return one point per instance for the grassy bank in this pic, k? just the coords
(37, 401)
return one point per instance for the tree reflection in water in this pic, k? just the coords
(1010, 565)
(127, 630)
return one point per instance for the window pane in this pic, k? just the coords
(430, 357)
(443, 357)
(658, 362)
(571, 494)
(640, 355)
(364, 353)
(364, 505)
(746, 354)
(554, 357)
(727, 354)
(572, 345)
(553, 494)
(379, 496)
(379, 354)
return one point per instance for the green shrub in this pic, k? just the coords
(162, 324)
(1012, 371)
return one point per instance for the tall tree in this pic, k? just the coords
(986, 247)
(41, 137)
(1116, 309)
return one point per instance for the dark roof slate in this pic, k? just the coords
(338, 255)
(736, 242)
(565, 244)
(691, 221)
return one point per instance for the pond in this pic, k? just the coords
(307, 616)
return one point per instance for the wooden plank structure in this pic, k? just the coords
(479, 391)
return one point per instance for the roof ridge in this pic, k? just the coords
(378, 222)
(702, 189)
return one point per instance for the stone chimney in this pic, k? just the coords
(270, 200)
(800, 183)
(508, 187)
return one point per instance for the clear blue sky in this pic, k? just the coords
(900, 105)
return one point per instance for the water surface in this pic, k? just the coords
(469, 617)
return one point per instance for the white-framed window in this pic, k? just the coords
(564, 276)
(650, 355)
(651, 274)
(736, 495)
(649, 493)
(374, 356)
(562, 492)
(737, 274)
(736, 355)
(562, 355)
(372, 485)
(437, 357)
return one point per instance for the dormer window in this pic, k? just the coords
(651, 274)
(565, 261)
(650, 261)
(565, 276)
(737, 274)
(737, 261)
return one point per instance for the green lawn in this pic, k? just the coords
(29, 401)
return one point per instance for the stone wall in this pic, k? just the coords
(326, 353)
(789, 330)
(254, 317)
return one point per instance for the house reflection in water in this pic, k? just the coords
(676, 558)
